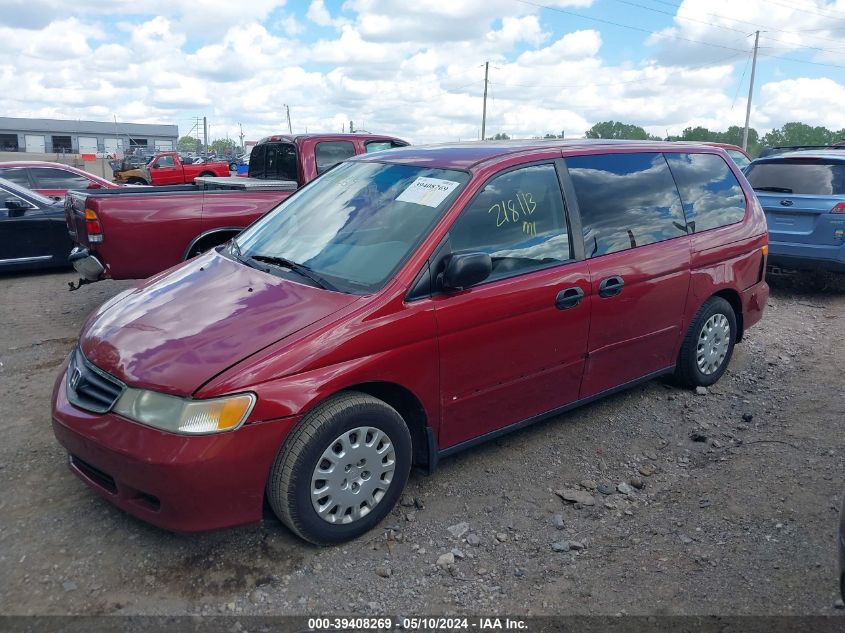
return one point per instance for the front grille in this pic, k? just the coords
(90, 388)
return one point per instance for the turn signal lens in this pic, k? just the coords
(839, 208)
(180, 415)
(765, 250)
(92, 226)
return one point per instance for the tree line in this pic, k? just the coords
(793, 133)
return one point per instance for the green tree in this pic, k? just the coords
(500, 136)
(223, 146)
(797, 133)
(616, 129)
(188, 144)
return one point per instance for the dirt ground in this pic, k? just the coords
(737, 513)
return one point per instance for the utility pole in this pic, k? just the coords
(287, 110)
(205, 135)
(241, 127)
(750, 92)
(351, 127)
(484, 110)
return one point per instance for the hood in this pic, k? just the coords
(179, 329)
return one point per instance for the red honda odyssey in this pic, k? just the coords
(404, 306)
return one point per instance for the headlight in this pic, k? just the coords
(180, 415)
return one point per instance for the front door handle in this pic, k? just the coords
(569, 298)
(611, 286)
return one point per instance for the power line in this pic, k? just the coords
(674, 37)
(720, 26)
(762, 27)
(628, 26)
(620, 83)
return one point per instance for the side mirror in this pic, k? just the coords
(466, 269)
(156, 166)
(16, 207)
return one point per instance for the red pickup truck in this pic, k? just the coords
(166, 168)
(136, 232)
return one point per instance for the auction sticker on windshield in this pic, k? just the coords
(428, 191)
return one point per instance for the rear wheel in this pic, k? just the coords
(708, 344)
(206, 173)
(341, 471)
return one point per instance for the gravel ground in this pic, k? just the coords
(721, 503)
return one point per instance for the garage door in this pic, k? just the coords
(87, 145)
(164, 146)
(113, 146)
(35, 143)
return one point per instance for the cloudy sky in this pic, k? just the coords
(414, 68)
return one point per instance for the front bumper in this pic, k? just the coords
(88, 266)
(176, 482)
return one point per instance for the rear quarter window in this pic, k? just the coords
(711, 194)
(801, 176)
(626, 201)
(330, 153)
(17, 175)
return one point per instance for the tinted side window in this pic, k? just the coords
(280, 162)
(626, 200)
(377, 146)
(710, 192)
(16, 175)
(49, 178)
(798, 175)
(739, 158)
(330, 153)
(519, 219)
(256, 161)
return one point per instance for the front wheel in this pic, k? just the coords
(708, 345)
(341, 470)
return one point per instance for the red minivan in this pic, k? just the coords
(404, 306)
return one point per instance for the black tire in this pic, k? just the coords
(289, 484)
(687, 371)
(137, 181)
(207, 173)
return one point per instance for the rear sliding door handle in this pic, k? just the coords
(569, 298)
(611, 286)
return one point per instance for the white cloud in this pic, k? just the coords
(411, 69)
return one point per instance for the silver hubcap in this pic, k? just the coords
(353, 475)
(713, 342)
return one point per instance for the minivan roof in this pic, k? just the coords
(465, 155)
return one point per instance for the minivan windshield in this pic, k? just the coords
(353, 227)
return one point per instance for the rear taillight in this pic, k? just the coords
(839, 208)
(92, 226)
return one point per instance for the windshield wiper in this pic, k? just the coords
(300, 269)
(775, 189)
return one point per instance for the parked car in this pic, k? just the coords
(783, 149)
(51, 179)
(140, 232)
(803, 195)
(405, 306)
(737, 154)
(167, 168)
(32, 230)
